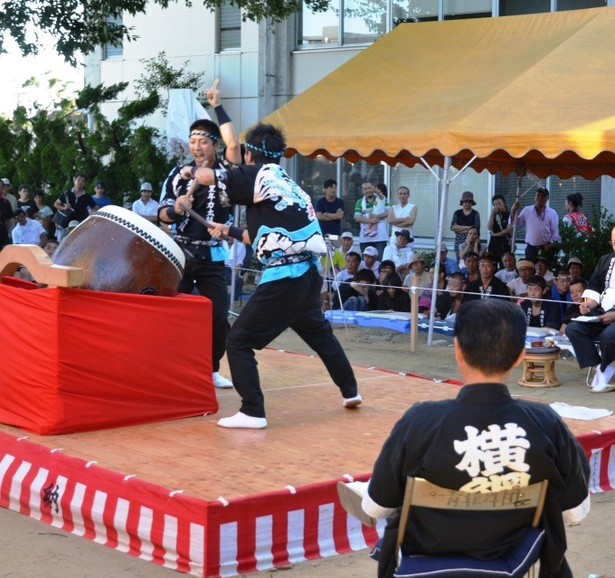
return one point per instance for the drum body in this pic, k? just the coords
(122, 252)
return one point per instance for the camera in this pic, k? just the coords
(331, 237)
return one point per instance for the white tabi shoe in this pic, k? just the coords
(350, 402)
(602, 383)
(351, 497)
(243, 421)
(220, 381)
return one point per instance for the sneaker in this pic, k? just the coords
(243, 421)
(220, 381)
(351, 498)
(351, 402)
(602, 383)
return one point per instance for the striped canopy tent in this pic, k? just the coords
(511, 94)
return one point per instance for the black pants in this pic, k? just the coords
(582, 337)
(273, 308)
(209, 279)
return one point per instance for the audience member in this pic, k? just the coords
(424, 281)
(43, 213)
(362, 295)
(346, 242)
(460, 444)
(575, 267)
(574, 217)
(100, 195)
(518, 286)
(499, 227)
(28, 231)
(371, 212)
(51, 246)
(6, 211)
(451, 265)
(340, 286)
(75, 203)
(539, 313)
(330, 209)
(599, 302)
(488, 285)
(542, 269)
(400, 252)
(370, 259)
(472, 244)
(146, 206)
(463, 219)
(508, 272)
(393, 298)
(4, 236)
(402, 215)
(24, 200)
(448, 303)
(5, 189)
(541, 224)
(470, 269)
(577, 286)
(560, 291)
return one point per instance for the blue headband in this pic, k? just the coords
(264, 150)
(213, 137)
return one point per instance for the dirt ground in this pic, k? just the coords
(30, 549)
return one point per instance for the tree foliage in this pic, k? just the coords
(46, 147)
(79, 26)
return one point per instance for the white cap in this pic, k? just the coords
(372, 251)
(347, 235)
(146, 187)
(6, 181)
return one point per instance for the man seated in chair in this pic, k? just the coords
(483, 441)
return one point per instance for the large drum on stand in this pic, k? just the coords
(122, 252)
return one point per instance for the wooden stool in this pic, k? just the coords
(539, 367)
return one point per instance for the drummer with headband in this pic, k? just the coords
(288, 242)
(205, 255)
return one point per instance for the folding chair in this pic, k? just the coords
(517, 562)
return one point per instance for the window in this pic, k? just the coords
(230, 27)
(320, 28)
(457, 9)
(109, 50)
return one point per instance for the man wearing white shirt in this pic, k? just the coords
(28, 231)
(146, 206)
(401, 252)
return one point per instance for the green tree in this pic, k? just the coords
(79, 26)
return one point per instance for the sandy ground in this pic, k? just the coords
(30, 549)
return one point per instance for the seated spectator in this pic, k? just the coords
(575, 267)
(234, 262)
(470, 268)
(424, 281)
(452, 266)
(539, 313)
(331, 263)
(577, 286)
(340, 286)
(518, 286)
(362, 294)
(449, 301)
(393, 298)
(346, 241)
(442, 280)
(472, 244)
(370, 259)
(28, 231)
(542, 269)
(560, 291)
(488, 285)
(400, 253)
(508, 272)
(481, 441)
(51, 246)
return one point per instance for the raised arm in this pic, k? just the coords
(227, 128)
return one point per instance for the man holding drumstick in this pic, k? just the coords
(287, 240)
(205, 255)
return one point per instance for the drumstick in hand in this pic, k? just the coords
(198, 217)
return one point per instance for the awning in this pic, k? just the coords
(534, 91)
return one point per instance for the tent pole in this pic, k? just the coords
(443, 203)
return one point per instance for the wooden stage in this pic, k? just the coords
(204, 478)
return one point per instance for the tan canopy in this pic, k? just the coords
(535, 91)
